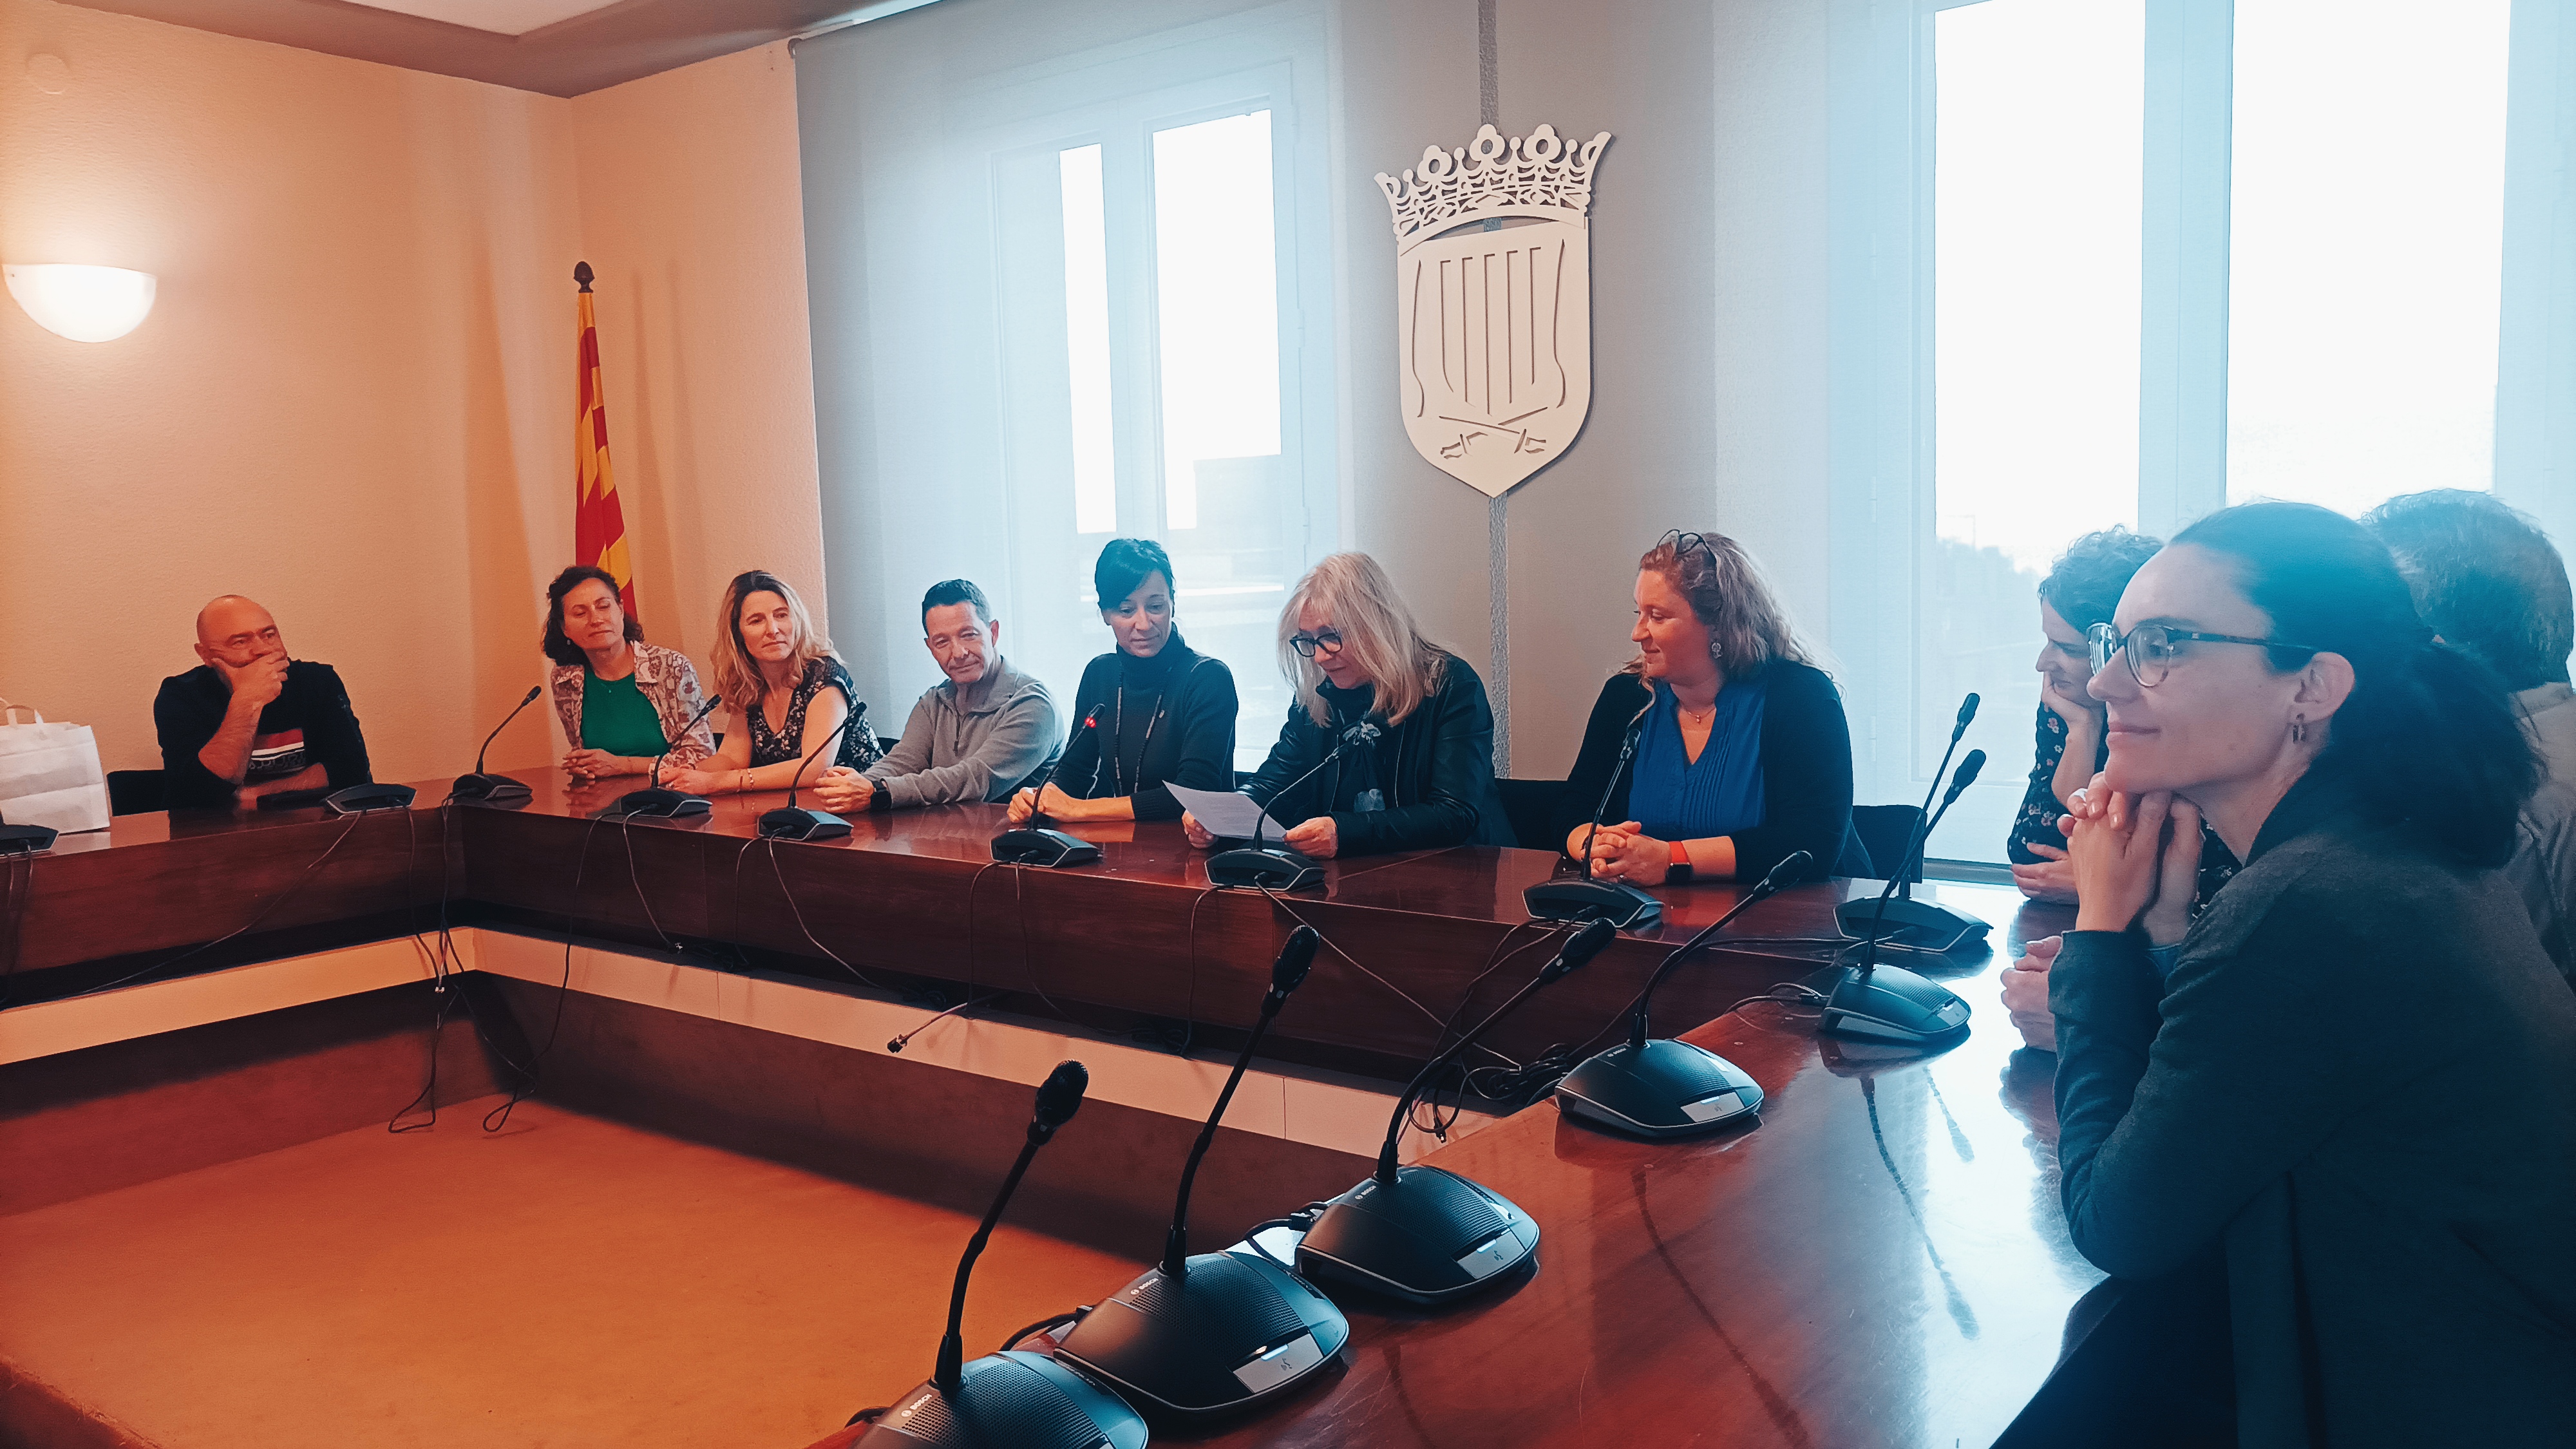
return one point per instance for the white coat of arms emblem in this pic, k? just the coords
(1493, 268)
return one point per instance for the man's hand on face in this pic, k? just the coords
(257, 684)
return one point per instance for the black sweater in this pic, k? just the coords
(1806, 773)
(1435, 771)
(2360, 1084)
(1177, 724)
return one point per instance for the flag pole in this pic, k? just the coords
(599, 520)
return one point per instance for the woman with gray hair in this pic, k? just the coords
(1416, 734)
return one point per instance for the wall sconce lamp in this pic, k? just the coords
(85, 304)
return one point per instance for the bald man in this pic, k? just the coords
(250, 721)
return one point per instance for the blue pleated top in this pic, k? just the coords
(1678, 798)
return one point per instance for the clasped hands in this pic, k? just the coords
(2129, 860)
(1057, 805)
(1624, 852)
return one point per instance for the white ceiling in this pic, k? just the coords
(501, 17)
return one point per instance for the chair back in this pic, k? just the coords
(1531, 806)
(1883, 831)
(136, 792)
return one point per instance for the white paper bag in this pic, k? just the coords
(49, 773)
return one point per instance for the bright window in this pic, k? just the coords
(2367, 249)
(2129, 261)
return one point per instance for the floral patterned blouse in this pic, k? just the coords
(859, 747)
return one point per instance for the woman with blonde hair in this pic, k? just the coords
(787, 692)
(1416, 770)
(1743, 757)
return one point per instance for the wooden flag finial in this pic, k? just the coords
(582, 273)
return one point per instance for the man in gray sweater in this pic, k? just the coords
(979, 734)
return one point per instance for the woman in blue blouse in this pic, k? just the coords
(1743, 758)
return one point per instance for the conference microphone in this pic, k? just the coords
(1580, 897)
(1033, 843)
(482, 789)
(1889, 1003)
(1658, 1087)
(789, 823)
(1218, 1331)
(656, 801)
(1425, 1234)
(1009, 1398)
(1277, 867)
(1919, 927)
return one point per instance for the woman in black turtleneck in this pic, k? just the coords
(1150, 712)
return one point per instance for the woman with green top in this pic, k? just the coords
(620, 699)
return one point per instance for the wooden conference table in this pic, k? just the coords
(1881, 1261)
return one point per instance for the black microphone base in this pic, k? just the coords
(1238, 1329)
(1273, 866)
(27, 839)
(1043, 847)
(1668, 1089)
(1430, 1237)
(658, 804)
(1009, 1400)
(481, 789)
(785, 823)
(1920, 926)
(1576, 899)
(1891, 1005)
(367, 799)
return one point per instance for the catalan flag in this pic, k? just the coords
(598, 523)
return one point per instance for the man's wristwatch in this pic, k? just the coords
(1679, 872)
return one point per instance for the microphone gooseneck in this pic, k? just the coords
(1781, 875)
(1358, 734)
(1582, 946)
(673, 743)
(1627, 749)
(524, 701)
(1969, 769)
(1037, 816)
(1295, 959)
(1057, 1100)
(797, 780)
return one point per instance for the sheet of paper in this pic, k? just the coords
(1227, 813)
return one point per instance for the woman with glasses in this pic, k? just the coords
(2339, 1101)
(1149, 713)
(1415, 768)
(1742, 756)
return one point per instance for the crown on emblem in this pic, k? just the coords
(1490, 176)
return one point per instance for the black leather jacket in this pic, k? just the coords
(1434, 772)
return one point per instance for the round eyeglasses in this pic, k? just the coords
(1307, 644)
(2150, 650)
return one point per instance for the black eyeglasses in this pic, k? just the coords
(1683, 543)
(2149, 648)
(1307, 644)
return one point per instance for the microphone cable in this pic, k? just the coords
(274, 902)
(799, 913)
(897, 1044)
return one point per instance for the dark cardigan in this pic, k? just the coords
(1192, 745)
(2360, 1083)
(1806, 773)
(1436, 770)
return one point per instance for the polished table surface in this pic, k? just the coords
(1882, 1261)
(908, 898)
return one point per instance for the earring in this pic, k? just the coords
(2298, 732)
